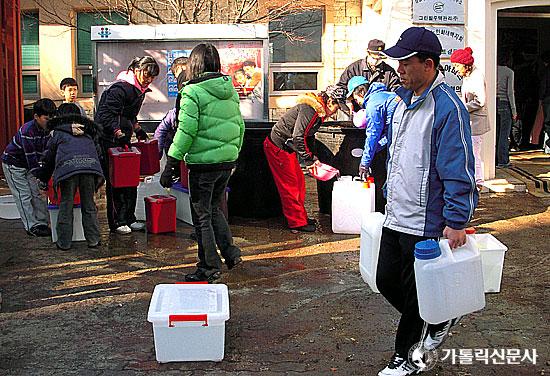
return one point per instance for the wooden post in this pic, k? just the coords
(11, 93)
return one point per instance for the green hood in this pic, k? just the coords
(211, 127)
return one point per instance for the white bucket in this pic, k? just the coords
(8, 209)
(371, 233)
(189, 321)
(492, 260)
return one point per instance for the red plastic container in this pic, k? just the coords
(124, 167)
(52, 200)
(184, 179)
(160, 212)
(149, 161)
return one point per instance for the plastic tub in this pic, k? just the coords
(124, 167)
(160, 212)
(8, 209)
(148, 187)
(492, 260)
(149, 163)
(189, 321)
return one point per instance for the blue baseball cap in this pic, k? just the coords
(354, 82)
(412, 41)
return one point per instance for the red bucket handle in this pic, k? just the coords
(186, 318)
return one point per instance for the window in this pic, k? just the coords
(84, 53)
(285, 81)
(295, 51)
(30, 52)
(297, 37)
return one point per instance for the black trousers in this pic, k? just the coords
(206, 189)
(396, 282)
(379, 173)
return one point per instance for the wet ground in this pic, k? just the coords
(298, 303)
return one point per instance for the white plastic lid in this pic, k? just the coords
(189, 302)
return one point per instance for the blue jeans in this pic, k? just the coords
(504, 125)
(206, 189)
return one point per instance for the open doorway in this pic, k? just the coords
(522, 42)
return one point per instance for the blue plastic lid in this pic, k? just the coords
(427, 250)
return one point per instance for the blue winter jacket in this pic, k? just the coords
(72, 150)
(166, 131)
(431, 181)
(379, 105)
(27, 146)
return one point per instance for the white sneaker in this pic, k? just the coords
(123, 230)
(137, 226)
(434, 340)
(399, 366)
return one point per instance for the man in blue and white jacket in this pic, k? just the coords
(430, 187)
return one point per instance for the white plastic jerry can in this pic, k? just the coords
(448, 283)
(350, 200)
(371, 233)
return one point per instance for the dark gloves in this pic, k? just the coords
(171, 173)
(43, 186)
(141, 134)
(363, 172)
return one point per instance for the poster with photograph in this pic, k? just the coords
(243, 61)
(171, 81)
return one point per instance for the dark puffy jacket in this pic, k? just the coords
(383, 73)
(118, 108)
(290, 133)
(71, 150)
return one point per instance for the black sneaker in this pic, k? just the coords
(231, 263)
(399, 366)
(435, 338)
(200, 276)
(40, 231)
(305, 228)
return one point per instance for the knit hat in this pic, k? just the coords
(463, 56)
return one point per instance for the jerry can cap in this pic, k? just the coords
(427, 250)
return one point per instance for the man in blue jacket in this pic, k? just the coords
(20, 157)
(379, 105)
(431, 190)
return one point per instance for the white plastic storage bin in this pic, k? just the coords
(8, 209)
(371, 233)
(183, 205)
(449, 283)
(492, 260)
(350, 200)
(78, 231)
(189, 321)
(148, 187)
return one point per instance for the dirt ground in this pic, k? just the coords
(298, 303)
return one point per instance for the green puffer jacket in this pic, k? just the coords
(211, 127)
